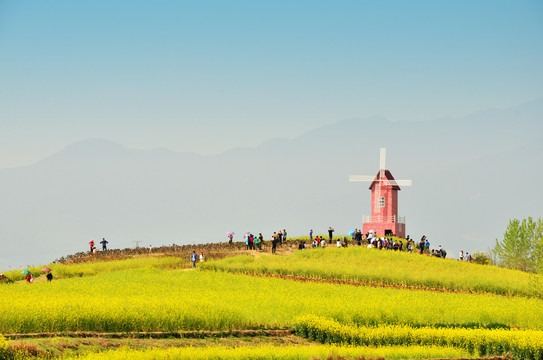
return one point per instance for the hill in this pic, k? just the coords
(162, 308)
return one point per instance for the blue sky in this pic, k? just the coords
(205, 76)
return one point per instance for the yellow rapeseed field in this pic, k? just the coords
(388, 267)
(152, 299)
(267, 352)
(522, 344)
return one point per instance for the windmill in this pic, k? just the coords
(384, 209)
(380, 178)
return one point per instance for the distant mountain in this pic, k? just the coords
(470, 176)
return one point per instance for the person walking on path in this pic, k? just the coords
(193, 258)
(330, 234)
(104, 243)
(49, 276)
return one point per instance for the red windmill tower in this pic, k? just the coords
(384, 219)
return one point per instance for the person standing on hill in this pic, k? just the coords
(251, 242)
(311, 235)
(284, 235)
(91, 244)
(257, 242)
(274, 242)
(193, 258)
(49, 276)
(280, 234)
(330, 234)
(104, 243)
(260, 240)
(422, 244)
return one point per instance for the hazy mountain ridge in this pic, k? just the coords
(462, 189)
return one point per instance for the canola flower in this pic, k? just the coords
(269, 352)
(153, 299)
(522, 344)
(388, 267)
(63, 271)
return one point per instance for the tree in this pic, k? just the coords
(522, 245)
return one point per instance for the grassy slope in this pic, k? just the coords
(144, 293)
(168, 300)
(389, 267)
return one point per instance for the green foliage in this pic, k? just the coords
(481, 258)
(522, 245)
(5, 350)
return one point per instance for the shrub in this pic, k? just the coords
(480, 257)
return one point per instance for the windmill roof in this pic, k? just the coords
(388, 176)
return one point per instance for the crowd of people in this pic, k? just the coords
(356, 237)
(464, 256)
(29, 277)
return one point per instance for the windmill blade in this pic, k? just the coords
(382, 158)
(361, 178)
(398, 182)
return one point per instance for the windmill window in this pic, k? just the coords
(381, 202)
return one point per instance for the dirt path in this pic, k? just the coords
(156, 334)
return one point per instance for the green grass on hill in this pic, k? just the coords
(388, 267)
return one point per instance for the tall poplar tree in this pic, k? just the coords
(522, 245)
